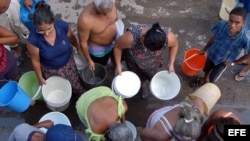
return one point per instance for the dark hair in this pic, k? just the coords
(240, 11)
(217, 133)
(155, 38)
(42, 14)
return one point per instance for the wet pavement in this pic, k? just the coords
(190, 20)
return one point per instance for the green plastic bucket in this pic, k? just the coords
(30, 84)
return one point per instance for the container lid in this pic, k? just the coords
(127, 84)
(165, 85)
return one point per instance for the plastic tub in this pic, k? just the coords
(56, 117)
(127, 84)
(193, 62)
(94, 78)
(14, 97)
(57, 93)
(30, 84)
(165, 85)
(209, 93)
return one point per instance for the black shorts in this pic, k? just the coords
(102, 60)
(215, 70)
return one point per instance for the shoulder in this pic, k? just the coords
(33, 37)
(60, 23)
(223, 113)
(86, 15)
(219, 24)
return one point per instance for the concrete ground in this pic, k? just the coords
(190, 20)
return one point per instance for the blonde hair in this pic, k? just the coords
(103, 4)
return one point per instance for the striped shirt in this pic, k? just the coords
(226, 48)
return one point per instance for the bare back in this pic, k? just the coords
(102, 113)
(96, 28)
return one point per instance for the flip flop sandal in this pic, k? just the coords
(239, 77)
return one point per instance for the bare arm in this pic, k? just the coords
(35, 59)
(209, 43)
(7, 37)
(173, 49)
(73, 40)
(149, 134)
(47, 124)
(83, 35)
(125, 41)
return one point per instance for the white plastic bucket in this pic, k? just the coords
(127, 84)
(56, 117)
(57, 93)
(165, 85)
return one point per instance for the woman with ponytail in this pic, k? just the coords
(142, 49)
(49, 45)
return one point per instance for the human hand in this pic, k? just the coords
(202, 51)
(229, 63)
(42, 81)
(28, 4)
(46, 124)
(118, 70)
(91, 65)
(171, 69)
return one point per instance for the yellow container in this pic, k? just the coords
(209, 93)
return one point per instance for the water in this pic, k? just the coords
(56, 96)
(95, 80)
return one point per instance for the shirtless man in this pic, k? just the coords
(97, 31)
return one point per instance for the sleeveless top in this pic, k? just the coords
(140, 60)
(90, 96)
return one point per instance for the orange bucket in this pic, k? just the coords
(193, 62)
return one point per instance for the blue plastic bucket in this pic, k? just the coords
(13, 97)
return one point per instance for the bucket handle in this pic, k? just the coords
(37, 92)
(190, 57)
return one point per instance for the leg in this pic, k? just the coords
(145, 89)
(200, 81)
(18, 54)
(217, 72)
(240, 76)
